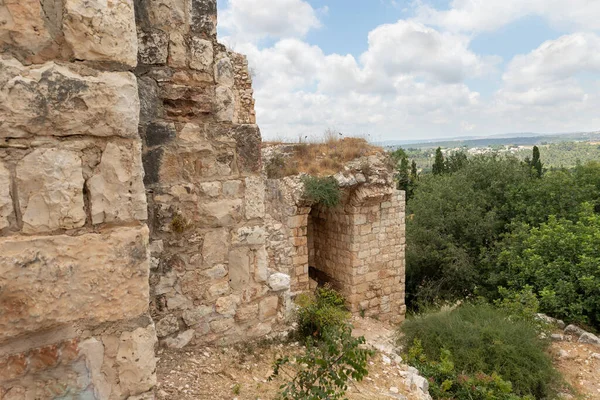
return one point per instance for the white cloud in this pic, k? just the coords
(489, 15)
(250, 20)
(555, 60)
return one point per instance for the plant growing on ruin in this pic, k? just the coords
(319, 311)
(325, 191)
(324, 369)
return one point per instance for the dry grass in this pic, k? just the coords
(326, 157)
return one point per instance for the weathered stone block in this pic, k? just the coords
(224, 71)
(6, 204)
(239, 268)
(215, 247)
(117, 191)
(221, 213)
(100, 30)
(153, 47)
(279, 282)
(224, 104)
(56, 100)
(247, 313)
(50, 187)
(250, 235)
(201, 54)
(178, 51)
(268, 307)
(136, 362)
(168, 15)
(167, 326)
(29, 28)
(53, 280)
(227, 305)
(204, 17)
(255, 197)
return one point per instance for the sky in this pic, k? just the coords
(418, 69)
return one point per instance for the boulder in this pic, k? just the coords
(182, 340)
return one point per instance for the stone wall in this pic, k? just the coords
(358, 247)
(210, 280)
(74, 264)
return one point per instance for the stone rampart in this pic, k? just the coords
(74, 262)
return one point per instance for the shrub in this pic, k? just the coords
(447, 383)
(483, 339)
(325, 191)
(322, 372)
(320, 310)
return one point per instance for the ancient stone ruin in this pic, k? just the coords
(133, 208)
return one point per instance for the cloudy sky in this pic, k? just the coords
(419, 69)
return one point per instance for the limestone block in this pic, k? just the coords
(215, 246)
(268, 307)
(224, 104)
(218, 289)
(50, 187)
(216, 272)
(232, 188)
(227, 305)
(100, 30)
(211, 189)
(279, 281)
(52, 280)
(224, 71)
(204, 17)
(222, 325)
(177, 50)
(167, 326)
(261, 271)
(153, 47)
(221, 213)
(201, 54)
(56, 100)
(250, 235)
(168, 15)
(30, 26)
(195, 316)
(117, 191)
(247, 313)
(239, 268)
(6, 205)
(136, 362)
(255, 197)
(181, 340)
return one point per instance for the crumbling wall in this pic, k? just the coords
(210, 279)
(359, 249)
(74, 264)
(358, 246)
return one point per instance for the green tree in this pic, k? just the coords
(456, 161)
(400, 159)
(560, 260)
(536, 162)
(414, 173)
(439, 166)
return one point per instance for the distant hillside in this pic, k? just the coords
(524, 139)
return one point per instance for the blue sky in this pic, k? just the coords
(419, 69)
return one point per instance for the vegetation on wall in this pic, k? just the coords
(325, 191)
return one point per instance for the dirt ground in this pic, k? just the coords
(241, 372)
(580, 366)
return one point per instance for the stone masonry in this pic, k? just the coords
(133, 209)
(74, 263)
(210, 280)
(358, 247)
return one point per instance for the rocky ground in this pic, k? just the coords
(241, 371)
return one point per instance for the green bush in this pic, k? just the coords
(320, 310)
(325, 191)
(322, 372)
(481, 339)
(559, 260)
(447, 383)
